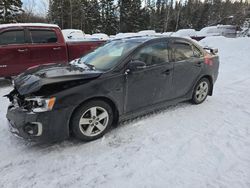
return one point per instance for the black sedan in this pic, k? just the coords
(122, 79)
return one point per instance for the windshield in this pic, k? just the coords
(107, 56)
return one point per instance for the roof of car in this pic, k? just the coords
(143, 39)
(27, 25)
(136, 38)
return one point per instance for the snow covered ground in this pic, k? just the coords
(186, 145)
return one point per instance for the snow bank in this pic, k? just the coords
(147, 32)
(100, 36)
(140, 34)
(186, 145)
(185, 33)
(126, 35)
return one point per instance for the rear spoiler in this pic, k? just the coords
(213, 51)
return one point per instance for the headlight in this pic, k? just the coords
(39, 104)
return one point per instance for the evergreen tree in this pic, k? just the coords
(109, 20)
(112, 16)
(148, 18)
(124, 6)
(158, 16)
(58, 13)
(93, 18)
(134, 18)
(9, 10)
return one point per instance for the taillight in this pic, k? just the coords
(208, 60)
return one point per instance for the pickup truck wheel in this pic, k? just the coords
(201, 91)
(92, 120)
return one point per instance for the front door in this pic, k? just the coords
(151, 84)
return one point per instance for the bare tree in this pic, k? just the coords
(177, 19)
(29, 10)
(166, 17)
(34, 11)
(29, 7)
(71, 12)
(44, 7)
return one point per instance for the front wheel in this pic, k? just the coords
(201, 91)
(92, 120)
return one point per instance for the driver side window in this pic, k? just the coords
(153, 54)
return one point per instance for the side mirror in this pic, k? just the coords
(136, 65)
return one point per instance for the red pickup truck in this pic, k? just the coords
(27, 45)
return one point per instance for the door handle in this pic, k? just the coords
(22, 50)
(198, 64)
(167, 72)
(57, 48)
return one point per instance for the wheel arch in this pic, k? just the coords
(210, 79)
(106, 99)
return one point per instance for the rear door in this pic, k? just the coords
(153, 83)
(14, 52)
(188, 62)
(46, 47)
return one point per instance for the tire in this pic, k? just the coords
(201, 91)
(92, 120)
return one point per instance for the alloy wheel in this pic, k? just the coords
(201, 91)
(94, 121)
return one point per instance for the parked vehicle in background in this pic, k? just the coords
(120, 80)
(219, 30)
(26, 45)
(73, 35)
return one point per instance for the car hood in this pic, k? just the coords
(34, 78)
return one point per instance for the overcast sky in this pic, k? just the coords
(39, 6)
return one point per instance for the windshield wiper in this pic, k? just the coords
(92, 67)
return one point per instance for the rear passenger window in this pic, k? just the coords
(197, 52)
(153, 54)
(12, 37)
(182, 51)
(43, 36)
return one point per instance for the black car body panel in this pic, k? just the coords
(128, 92)
(33, 79)
(19, 119)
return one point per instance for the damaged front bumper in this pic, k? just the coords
(40, 127)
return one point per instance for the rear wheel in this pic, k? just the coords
(201, 91)
(92, 120)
